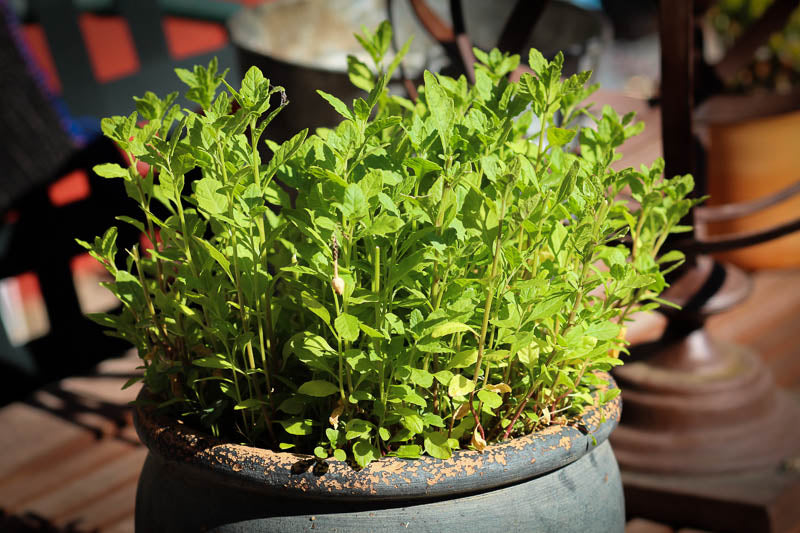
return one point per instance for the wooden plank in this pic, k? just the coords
(640, 525)
(103, 389)
(31, 483)
(772, 305)
(69, 498)
(30, 435)
(107, 510)
(75, 411)
(125, 525)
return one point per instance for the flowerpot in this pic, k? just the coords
(561, 479)
(750, 160)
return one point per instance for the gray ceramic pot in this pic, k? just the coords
(557, 480)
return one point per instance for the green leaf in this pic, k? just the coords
(208, 199)
(318, 388)
(536, 61)
(217, 255)
(460, 386)
(559, 136)
(283, 153)
(490, 399)
(603, 331)
(408, 451)
(463, 359)
(568, 183)
(337, 104)
(339, 454)
(357, 428)
(250, 403)
(371, 332)
(297, 426)
(212, 362)
(547, 308)
(347, 326)
(413, 423)
(110, 170)
(354, 205)
(448, 328)
(385, 224)
(436, 445)
(440, 106)
(311, 304)
(364, 452)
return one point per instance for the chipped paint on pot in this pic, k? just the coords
(556, 480)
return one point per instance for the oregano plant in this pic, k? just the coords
(447, 275)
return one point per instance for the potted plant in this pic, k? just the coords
(444, 288)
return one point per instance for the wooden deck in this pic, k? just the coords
(71, 459)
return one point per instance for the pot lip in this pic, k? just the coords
(467, 471)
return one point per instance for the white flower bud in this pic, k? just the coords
(338, 285)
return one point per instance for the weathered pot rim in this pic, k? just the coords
(467, 471)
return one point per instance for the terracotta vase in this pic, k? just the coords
(561, 479)
(749, 160)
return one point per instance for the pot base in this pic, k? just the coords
(585, 495)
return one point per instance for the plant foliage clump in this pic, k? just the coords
(443, 279)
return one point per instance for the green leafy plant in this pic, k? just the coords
(443, 279)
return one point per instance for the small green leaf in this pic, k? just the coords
(460, 386)
(208, 197)
(371, 332)
(347, 326)
(310, 303)
(559, 136)
(217, 255)
(448, 328)
(464, 359)
(413, 423)
(297, 426)
(212, 362)
(339, 454)
(364, 453)
(354, 204)
(408, 451)
(440, 106)
(337, 104)
(385, 224)
(110, 170)
(250, 403)
(490, 399)
(318, 388)
(436, 445)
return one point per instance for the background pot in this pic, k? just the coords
(749, 160)
(556, 480)
(304, 44)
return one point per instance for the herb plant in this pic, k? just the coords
(443, 279)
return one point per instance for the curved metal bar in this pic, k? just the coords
(722, 243)
(439, 29)
(719, 213)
